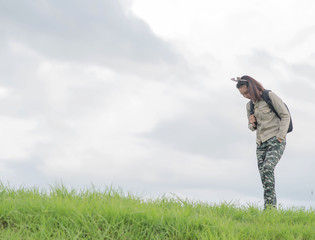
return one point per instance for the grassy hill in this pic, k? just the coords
(90, 214)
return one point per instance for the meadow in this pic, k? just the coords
(61, 213)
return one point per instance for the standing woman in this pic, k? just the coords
(270, 132)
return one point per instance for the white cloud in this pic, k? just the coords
(4, 92)
(227, 28)
(17, 138)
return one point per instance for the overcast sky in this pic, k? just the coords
(136, 94)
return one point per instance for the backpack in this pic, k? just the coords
(266, 98)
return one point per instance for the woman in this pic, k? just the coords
(270, 132)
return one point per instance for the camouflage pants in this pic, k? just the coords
(268, 155)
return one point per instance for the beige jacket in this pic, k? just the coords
(269, 125)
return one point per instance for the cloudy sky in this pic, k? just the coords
(136, 94)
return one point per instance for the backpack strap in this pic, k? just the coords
(267, 99)
(251, 111)
(265, 96)
(251, 107)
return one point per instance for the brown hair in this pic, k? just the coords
(253, 86)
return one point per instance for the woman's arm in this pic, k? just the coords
(283, 112)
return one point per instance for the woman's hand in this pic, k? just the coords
(252, 120)
(279, 139)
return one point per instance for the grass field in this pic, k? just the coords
(91, 214)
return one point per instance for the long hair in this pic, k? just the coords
(254, 87)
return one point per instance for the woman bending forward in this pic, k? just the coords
(270, 132)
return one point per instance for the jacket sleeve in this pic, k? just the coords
(283, 113)
(250, 126)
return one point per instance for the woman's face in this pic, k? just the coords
(244, 91)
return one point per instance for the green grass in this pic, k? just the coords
(61, 213)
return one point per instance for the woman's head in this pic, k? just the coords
(250, 88)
